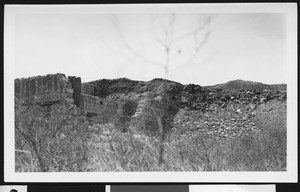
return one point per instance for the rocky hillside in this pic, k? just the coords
(239, 125)
(158, 125)
(224, 109)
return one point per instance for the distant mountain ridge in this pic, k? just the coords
(248, 85)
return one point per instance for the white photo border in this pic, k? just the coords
(290, 9)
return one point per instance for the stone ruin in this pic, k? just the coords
(57, 88)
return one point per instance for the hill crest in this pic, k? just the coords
(248, 85)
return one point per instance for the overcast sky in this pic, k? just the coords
(248, 46)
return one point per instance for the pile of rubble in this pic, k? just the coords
(202, 98)
(222, 112)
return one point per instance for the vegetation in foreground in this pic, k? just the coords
(58, 138)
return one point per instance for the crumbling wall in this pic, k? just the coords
(90, 104)
(76, 85)
(44, 90)
(57, 88)
(88, 88)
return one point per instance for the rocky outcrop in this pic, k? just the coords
(202, 99)
(228, 122)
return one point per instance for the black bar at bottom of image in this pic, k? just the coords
(149, 188)
(66, 188)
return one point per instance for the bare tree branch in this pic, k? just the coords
(197, 30)
(162, 25)
(195, 54)
(160, 41)
(198, 45)
(116, 25)
(166, 40)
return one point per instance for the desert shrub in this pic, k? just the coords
(273, 140)
(125, 110)
(207, 152)
(119, 151)
(200, 152)
(255, 153)
(135, 153)
(244, 154)
(157, 113)
(121, 122)
(50, 138)
(129, 107)
(156, 119)
(264, 150)
(57, 139)
(108, 111)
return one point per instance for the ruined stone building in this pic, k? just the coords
(57, 88)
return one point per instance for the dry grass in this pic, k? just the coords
(50, 141)
(62, 141)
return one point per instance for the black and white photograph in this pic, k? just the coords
(152, 93)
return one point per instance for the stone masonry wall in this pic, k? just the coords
(76, 85)
(88, 88)
(90, 104)
(56, 88)
(44, 90)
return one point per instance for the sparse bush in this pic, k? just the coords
(119, 151)
(58, 139)
(198, 152)
(108, 111)
(273, 140)
(262, 151)
(129, 107)
(243, 154)
(122, 119)
(51, 138)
